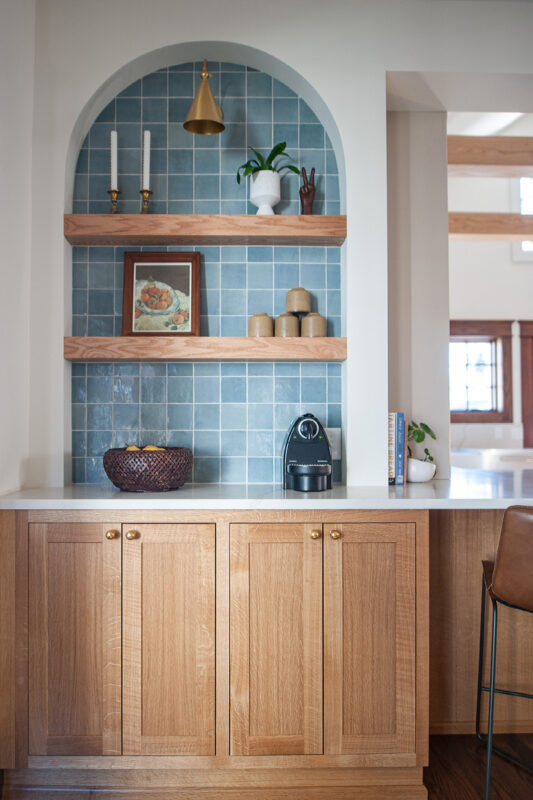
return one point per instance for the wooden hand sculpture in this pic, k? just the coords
(307, 192)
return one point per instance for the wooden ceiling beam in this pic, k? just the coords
(483, 227)
(490, 156)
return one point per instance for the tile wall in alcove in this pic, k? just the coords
(234, 416)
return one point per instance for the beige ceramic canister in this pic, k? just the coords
(260, 325)
(314, 325)
(298, 301)
(287, 325)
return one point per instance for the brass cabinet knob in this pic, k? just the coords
(335, 534)
(315, 534)
(131, 535)
(111, 534)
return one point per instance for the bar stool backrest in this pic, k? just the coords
(512, 579)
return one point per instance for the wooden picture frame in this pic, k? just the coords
(161, 294)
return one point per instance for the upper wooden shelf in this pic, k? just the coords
(204, 229)
(489, 227)
(203, 348)
(490, 156)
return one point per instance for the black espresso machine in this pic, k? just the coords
(307, 456)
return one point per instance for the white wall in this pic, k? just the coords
(17, 30)
(344, 50)
(418, 273)
(487, 282)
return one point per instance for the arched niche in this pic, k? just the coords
(106, 99)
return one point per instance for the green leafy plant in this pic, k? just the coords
(271, 162)
(417, 432)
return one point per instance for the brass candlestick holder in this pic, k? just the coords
(146, 199)
(114, 199)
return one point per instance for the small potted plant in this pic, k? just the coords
(265, 172)
(419, 470)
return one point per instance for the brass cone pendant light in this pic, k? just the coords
(204, 115)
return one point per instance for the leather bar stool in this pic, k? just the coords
(509, 581)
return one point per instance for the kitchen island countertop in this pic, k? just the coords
(467, 488)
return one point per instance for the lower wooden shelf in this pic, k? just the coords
(203, 348)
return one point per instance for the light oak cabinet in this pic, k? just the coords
(74, 640)
(275, 640)
(323, 638)
(162, 577)
(169, 640)
(313, 623)
(369, 635)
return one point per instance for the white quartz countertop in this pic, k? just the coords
(468, 488)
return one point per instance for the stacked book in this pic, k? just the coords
(397, 448)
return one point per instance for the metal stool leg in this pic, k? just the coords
(491, 696)
(480, 667)
(480, 688)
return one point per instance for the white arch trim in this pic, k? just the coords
(195, 51)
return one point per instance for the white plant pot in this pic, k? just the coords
(265, 190)
(420, 471)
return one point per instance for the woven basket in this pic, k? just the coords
(148, 470)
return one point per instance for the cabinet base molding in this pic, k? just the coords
(361, 793)
(224, 784)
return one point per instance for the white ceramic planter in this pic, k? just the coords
(420, 471)
(265, 190)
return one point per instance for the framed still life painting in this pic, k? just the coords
(161, 294)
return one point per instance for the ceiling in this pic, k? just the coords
(460, 92)
(475, 123)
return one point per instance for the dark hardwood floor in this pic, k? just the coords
(457, 769)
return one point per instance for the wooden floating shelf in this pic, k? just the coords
(490, 156)
(483, 227)
(203, 348)
(204, 229)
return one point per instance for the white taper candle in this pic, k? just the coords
(114, 175)
(146, 161)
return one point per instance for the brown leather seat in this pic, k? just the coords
(510, 577)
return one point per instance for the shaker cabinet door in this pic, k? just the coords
(369, 645)
(74, 639)
(169, 639)
(275, 639)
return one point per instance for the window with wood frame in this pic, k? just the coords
(526, 349)
(480, 371)
(522, 201)
(526, 207)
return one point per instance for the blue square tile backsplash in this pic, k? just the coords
(233, 415)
